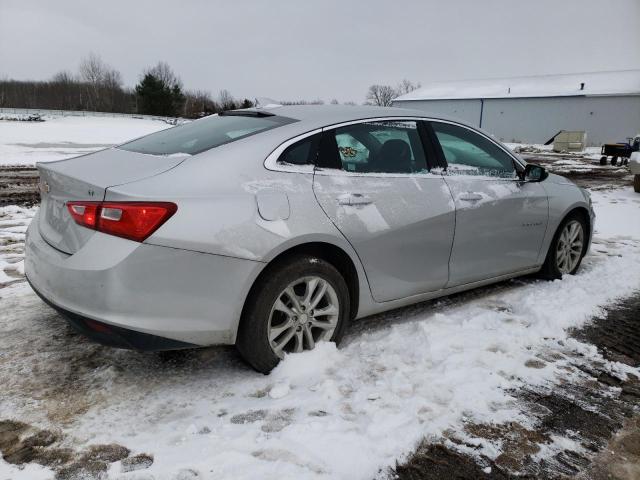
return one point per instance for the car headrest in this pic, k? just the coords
(394, 157)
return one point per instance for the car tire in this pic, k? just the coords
(550, 269)
(603, 160)
(255, 340)
(614, 161)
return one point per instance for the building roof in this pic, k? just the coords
(622, 82)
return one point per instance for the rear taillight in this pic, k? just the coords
(132, 220)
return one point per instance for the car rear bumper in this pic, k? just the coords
(141, 296)
(113, 336)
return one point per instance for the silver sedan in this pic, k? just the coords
(273, 228)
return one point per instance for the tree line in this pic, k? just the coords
(383, 95)
(98, 86)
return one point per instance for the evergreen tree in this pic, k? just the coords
(154, 98)
(160, 92)
(246, 103)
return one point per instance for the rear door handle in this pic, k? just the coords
(354, 199)
(470, 197)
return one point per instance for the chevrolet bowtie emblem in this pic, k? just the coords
(44, 187)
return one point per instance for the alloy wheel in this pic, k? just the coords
(304, 313)
(569, 248)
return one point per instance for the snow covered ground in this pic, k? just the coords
(330, 413)
(25, 143)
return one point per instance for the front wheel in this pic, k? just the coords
(567, 248)
(293, 306)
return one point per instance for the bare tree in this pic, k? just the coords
(163, 72)
(226, 100)
(111, 89)
(198, 103)
(381, 95)
(103, 83)
(406, 86)
(112, 79)
(63, 77)
(92, 71)
(317, 101)
(334, 101)
(64, 91)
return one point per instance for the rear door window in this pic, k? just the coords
(201, 135)
(387, 146)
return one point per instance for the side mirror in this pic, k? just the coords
(534, 173)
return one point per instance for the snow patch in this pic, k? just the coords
(66, 137)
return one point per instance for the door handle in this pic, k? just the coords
(354, 199)
(470, 197)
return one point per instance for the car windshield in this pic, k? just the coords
(201, 135)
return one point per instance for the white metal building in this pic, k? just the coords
(533, 109)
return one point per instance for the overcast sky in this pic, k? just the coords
(293, 49)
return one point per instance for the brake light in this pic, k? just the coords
(133, 220)
(84, 214)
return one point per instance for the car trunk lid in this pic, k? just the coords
(87, 178)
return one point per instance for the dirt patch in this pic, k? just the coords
(621, 458)
(82, 469)
(19, 186)
(617, 333)
(586, 172)
(21, 444)
(249, 417)
(436, 462)
(106, 453)
(137, 462)
(518, 442)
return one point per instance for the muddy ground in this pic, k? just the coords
(586, 172)
(19, 186)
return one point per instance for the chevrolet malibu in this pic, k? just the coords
(273, 228)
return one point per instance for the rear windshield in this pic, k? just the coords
(201, 135)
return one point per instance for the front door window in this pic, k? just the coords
(468, 153)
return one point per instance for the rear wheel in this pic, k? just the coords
(567, 248)
(614, 161)
(293, 306)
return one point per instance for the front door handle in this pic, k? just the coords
(354, 199)
(470, 197)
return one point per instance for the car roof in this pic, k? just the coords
(316, 116)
